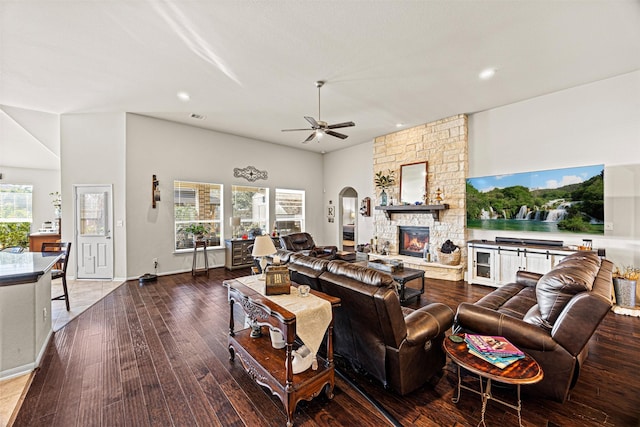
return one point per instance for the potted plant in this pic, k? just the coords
(197, 230)
(57, 203)
(624, 285)
(383, 182)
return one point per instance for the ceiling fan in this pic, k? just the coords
(319, 127)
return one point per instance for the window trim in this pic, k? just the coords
(219, 221)
(303, 218)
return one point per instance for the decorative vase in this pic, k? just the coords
(383, 198)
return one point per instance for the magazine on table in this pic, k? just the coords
(492, 345)
(500, 362)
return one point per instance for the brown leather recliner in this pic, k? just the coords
(303, 242)
(398, 346)
(551, 317)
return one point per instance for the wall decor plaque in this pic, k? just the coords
(250, 173)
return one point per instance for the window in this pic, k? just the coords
(15, 203)
(197, 203)
(16, 214)
(251, 205)
(289, 211)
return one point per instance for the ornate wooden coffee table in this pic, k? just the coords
(523, 371)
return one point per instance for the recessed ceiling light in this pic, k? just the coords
(197, 116)
(487, 73)
(183, 96)
(399, 125)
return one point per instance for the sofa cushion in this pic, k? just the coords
(573, 275)
(362, 274)
(582, 258)
(534, 317)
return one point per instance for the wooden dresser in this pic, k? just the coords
(238, 253)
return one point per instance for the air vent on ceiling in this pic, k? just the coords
(197, 116)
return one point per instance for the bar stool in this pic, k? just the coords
(59, 270)
(200, 244)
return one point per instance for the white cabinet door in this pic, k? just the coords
(481, 266)
(508, 263)
(536, 262)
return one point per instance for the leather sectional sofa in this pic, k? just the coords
(399, 346)
(550, 316)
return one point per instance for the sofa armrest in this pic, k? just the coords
(579, 320)
(490, 322)
(528, 278)
(428, 322)
(328, 250)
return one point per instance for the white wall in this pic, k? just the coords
(174, 151)
(93, 152)
(349, 167)
(30, 155)
(597, 123)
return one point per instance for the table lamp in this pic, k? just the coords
(235, 223)
(262, 247)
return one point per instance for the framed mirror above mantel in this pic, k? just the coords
(413, 182)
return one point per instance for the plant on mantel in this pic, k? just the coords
(383, 182)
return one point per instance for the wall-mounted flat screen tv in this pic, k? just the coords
(567, 200)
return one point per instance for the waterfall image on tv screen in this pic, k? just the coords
(560, 200)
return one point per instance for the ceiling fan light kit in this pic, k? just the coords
(319, 127)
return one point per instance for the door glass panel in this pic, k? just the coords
(93, 217)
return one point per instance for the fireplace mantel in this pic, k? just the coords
(414, 209)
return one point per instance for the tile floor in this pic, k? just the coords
(82, 295)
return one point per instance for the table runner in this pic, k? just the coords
(313, 314)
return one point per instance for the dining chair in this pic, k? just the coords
(60, 268)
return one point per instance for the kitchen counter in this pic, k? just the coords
(25, 310)
(26, 267)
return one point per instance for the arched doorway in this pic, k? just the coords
(348, 219)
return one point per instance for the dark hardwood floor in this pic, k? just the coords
(157, 355)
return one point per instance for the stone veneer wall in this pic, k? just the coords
(444, 145)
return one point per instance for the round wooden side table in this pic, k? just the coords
(523, 371)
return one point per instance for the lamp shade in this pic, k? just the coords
(234, 221)
(263, 246)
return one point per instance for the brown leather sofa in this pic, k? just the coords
(399, 346)
(306, 270)
(303, 243)
(551, 317)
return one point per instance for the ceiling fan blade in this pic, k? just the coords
(293, 130)
(313, 122)
(309, 138)
(336, 134)
(341, 125)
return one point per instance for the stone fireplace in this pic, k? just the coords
(412, 241)
(444, 145)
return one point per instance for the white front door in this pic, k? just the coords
(93, 231)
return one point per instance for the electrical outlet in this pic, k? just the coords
(608, 226)
(44, 314)
(155, 263)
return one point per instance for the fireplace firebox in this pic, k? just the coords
(413, 240)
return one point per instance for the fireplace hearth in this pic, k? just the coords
(412, 240)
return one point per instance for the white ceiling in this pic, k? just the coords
(250, 66)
